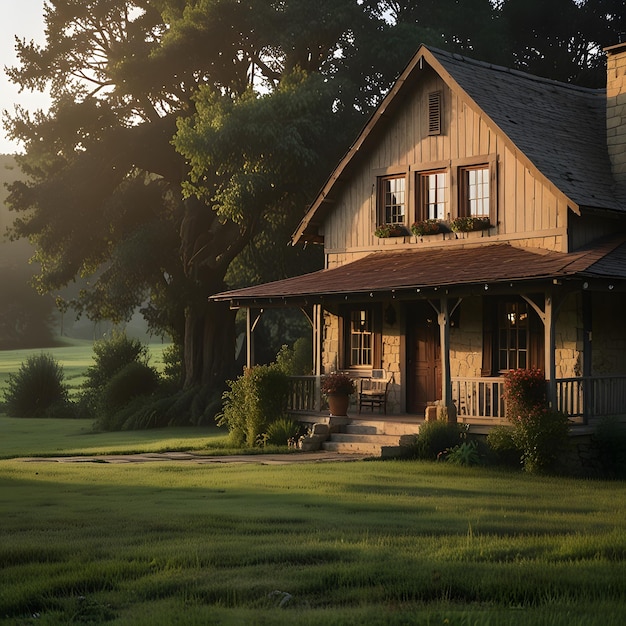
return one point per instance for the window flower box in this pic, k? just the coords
(390, 230)
(427, 227)
(469, 224)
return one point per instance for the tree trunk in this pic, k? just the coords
(209, 345)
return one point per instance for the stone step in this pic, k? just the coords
(370, 449)
(348, 437)
(369, 427)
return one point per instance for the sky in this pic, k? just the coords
(23, 18)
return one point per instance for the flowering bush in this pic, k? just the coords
(539, 432)
(426, 227)
(337, 383)
(524, 389)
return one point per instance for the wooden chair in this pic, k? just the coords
(373, 391)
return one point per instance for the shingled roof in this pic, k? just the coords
(560, 128)
(406, 271)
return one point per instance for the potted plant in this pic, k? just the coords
(426, 227)
(390, 230)
(338, 388)
(468, 224)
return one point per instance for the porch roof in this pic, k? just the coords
(404, 271)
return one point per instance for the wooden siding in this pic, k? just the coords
(528, 208)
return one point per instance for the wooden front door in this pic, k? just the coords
(423, 356)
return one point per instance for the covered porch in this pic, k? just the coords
(578, 339)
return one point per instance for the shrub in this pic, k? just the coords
(37, 389)
(435, 438)
(255, 399)
(132, 381)
(110, 355)
(542, 437)
(296, 361)
(173, 370)
(465, 453)
(539, 433)
(524, 390)
(504, 449)
(281, 431)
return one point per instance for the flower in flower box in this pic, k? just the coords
(390, 230)
(427, 227)
(468, 224)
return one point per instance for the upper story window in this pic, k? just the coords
(475, 191)
(433, 195)
(392, 194)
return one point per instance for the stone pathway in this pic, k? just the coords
(259, 459)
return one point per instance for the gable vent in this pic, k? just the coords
(434, 113)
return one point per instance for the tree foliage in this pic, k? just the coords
(185, 134)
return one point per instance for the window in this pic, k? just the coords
(361, 333)
(513, 329)
(362, 337)
(475, 191)
(513, 336)
(392, 199)
(433, 188)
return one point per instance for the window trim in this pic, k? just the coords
(381, 206)
(487, 163)
(422, 203)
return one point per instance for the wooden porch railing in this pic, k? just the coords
(480, 398)
(483, 398)
(589, 397)
(303, 395)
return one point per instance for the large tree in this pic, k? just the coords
(247, 92)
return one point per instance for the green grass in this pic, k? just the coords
(351, 543)
(20, 437)
(75, 357)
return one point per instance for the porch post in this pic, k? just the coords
(550, 341)
(249, 339)
(446, 381)
(317, 354)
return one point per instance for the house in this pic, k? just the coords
(476, 225)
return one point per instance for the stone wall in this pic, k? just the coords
(568, 338)
(466, 341)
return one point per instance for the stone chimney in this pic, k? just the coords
(616, 113)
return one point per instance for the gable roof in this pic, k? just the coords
(559, 128)
(407, 271)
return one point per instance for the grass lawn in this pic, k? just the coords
(378, 542)
(20, 437)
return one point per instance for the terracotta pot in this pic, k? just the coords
(338, 403)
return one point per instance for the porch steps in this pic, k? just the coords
(376, 438)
